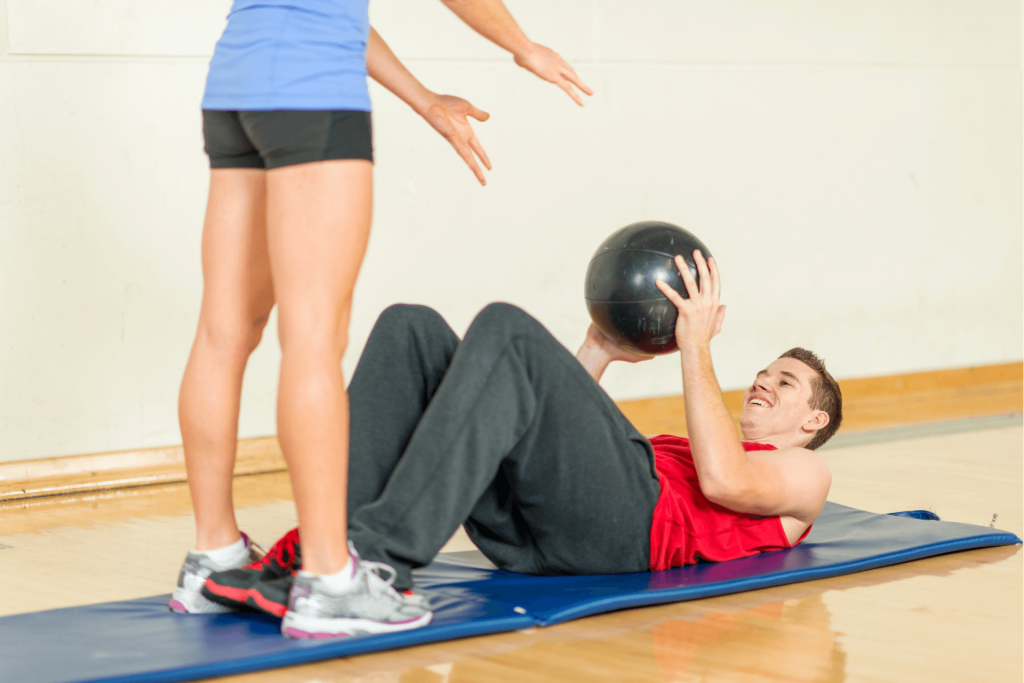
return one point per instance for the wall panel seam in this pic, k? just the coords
(106, 59)
(695, 64)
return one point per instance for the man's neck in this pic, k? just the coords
(780, 441)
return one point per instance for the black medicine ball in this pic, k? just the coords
(621, 296)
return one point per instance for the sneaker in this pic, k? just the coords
(262, 585)
(196, 568)
(372, 605)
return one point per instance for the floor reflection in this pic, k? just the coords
(791, 641)
(788, 641)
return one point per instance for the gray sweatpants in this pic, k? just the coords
(504, 432)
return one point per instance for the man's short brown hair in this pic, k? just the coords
(825, 394)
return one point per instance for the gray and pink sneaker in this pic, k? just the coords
(188, 596)
(371, 605)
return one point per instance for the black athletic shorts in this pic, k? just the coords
(272, 139)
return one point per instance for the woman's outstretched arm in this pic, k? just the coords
(492, 20)
(447, 114)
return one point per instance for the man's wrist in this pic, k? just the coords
(694, 347)
(593, 359)
(594, 351)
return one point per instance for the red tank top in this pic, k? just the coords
(687, 528)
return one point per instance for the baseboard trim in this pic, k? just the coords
(869, 403)
(123, 469)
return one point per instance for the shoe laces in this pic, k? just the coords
(379, 586)
(283, 552)
(255, 549)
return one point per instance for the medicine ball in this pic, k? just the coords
(621, 296)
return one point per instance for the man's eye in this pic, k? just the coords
(784, 383)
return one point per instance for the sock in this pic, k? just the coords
(339, 582)
(230, 556)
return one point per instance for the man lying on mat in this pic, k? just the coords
(507, 434)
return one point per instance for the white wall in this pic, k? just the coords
(855, 165)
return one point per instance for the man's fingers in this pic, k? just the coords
(702, 272)
(478, 114)
(684, 271)
(719, 319)
(671, 294)
(716, 280)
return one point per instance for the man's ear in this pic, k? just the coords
(816, 422)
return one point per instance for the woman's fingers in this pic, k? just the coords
(474, 142)
(567, 87)
(550, 66)
(572, 76)
(455, 127)
(466, 153)
(478, 114)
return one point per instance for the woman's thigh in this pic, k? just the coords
(318, 218)
(238, 290)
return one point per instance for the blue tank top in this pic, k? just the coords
(291, 54)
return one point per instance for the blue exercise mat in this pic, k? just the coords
(142, 641)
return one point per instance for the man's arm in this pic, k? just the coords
(445, 113)
(492, 20)
(792, 481)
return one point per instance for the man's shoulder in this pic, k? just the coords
(807, 462)
(808, 480)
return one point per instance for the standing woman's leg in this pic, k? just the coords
(238, 295)
(318, 224)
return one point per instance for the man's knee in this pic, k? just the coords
(499, 323)
(505, 318)
(402, 318)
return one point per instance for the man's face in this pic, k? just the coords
(778, 402)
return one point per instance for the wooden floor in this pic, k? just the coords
(956, 617)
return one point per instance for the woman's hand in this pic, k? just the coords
(448, 115)
(700, 316)
(492, 20)
(549, 65)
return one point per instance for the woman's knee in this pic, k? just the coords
(256, 329)
(237, 336)
(311, 337)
